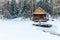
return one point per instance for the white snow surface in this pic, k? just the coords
(18, 29)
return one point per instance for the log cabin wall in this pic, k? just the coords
(39, 16)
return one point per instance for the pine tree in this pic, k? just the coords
(25, 10)
(19, 4)
(14, 10)
(45, 6)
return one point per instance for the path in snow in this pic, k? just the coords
(55, 29)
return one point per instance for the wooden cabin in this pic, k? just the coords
(39, 14)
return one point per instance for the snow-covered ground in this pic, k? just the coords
(18, 29)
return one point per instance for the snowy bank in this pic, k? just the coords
(18, 29)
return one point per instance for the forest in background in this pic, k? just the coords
(25, 8)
